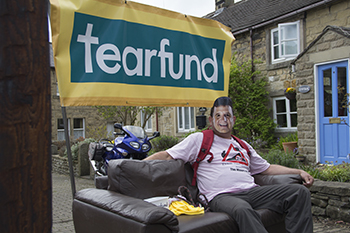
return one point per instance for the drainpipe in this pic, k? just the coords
(251, 51)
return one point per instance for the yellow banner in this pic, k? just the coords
(112, 52)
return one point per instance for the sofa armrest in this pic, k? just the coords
(128, 207)
(277, 179)
(101, 182)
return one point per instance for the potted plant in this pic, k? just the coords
(289, 142)
(290, 146)
(290, 93)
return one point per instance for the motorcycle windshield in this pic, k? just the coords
(137, 131)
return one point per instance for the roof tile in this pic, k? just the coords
(248, 13)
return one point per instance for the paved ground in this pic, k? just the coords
(62, 207)
(62, 220)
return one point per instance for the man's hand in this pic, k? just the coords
(308, 179)
(279, 170)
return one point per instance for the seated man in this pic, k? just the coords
(227, 180)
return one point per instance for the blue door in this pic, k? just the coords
(333, 116)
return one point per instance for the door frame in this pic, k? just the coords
(317, 102)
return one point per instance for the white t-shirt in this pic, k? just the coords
(231, 169)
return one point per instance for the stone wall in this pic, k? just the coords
(60, 165)
(331, 199)
(335, 14)
(81, 166)
(166, 123)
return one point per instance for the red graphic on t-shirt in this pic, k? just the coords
(237, 158)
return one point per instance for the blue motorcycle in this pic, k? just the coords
(131, 142)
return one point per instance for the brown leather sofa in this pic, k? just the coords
(117, 205)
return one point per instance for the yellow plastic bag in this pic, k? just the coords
(182, 207)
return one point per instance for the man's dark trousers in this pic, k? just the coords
(291, 199)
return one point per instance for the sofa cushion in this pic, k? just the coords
(131, 213)
(145, 179)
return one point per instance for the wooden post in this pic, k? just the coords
(25, 118)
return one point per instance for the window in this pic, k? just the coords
(148, 126)
(60, 129)
(185, 119)
(78, 128)
(285, 42)
(285, 113)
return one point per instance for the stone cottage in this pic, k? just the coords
(323, 120)
(275, 32)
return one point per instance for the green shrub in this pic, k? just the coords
(163, 143)
(75, 147)
(325, 172)
(276, 156)
(329, 172)
(249, 101)
(61, 145)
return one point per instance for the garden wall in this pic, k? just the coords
(81, 166)
(60, 165)
(331, 199)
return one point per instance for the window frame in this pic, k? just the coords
(79, 129)
(288, 114)
(280, 44)
(181, 119)
(60, 131)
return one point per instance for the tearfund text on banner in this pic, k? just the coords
(112, 52)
